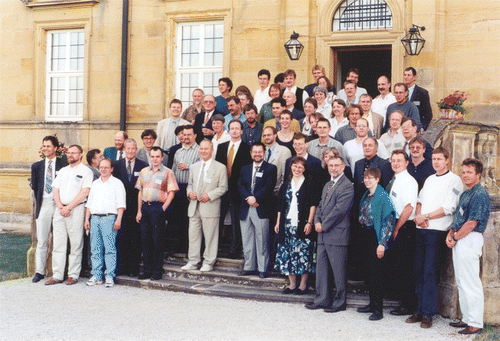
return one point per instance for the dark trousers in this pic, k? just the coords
(178, 220)
(428, 256)
(86, 254)
(403, 265)
(375, 269)
(232, 201)
(153, 237)
(128, 241)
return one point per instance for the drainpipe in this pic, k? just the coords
(123, 91)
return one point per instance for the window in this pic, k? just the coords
(356, 15)
(64, 88)
(199, 58)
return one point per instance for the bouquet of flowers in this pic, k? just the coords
(454, 101)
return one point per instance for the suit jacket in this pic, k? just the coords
(110, 153)
(382, 165)
(334, 211)
(162, 131)
(171, 154)
(198, 125)
(120, 172)
(263, 191)
(38, 180)
(142, 155)
(420, 97)
(313, 169)
(278, 158)
(217, 175)
(378, 124)
(298, 114)
(241, 158)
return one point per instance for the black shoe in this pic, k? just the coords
(144, 276)
(288, 291)
(156, 276)
(246, 272)
(262, 274)
(335, 310)
(313, 306)
(366, 309)
(400, 311)
(377, 315)
(299, 291)
(37, 278)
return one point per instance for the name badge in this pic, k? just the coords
(398, 145)
(79, 178)
(393, 194)
(258, 175)
(456, 191)
(416, 102)
(158, 181)
(137, 173)
(208, 181)
(461, 211)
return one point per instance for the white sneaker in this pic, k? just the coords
(109, 282)
(93, 281)
(206, 268)
(188, 267)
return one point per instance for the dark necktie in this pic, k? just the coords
(129, 170)
(268, 154)
(254, 177)
(391, 183)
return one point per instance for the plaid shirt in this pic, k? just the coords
(155, 185)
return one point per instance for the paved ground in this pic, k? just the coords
(33, 311)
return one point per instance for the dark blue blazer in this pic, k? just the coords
(241, 159)
(120, 172)
(263, 191)
(38, 180)
(298, 114)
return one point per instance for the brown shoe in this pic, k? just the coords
(459, 324)
(426, 322)
(416, 317)
(71, 281)
(53, 281)
(470, 330)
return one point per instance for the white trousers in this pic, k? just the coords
(198, 227)
(466, 255)
(43, 225)
(64, 227)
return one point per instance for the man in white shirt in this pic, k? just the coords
(262, 95)
(393, 138)
(403, 190)
(353, 75)
(436, 204)
(166, 127)
(106, 203)
(382, 101)
(71, 188)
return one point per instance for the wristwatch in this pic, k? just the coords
(453, 237)
(427, 216)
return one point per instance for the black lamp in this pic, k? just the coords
(293, 47)
(413, 41)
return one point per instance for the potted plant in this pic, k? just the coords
(452, 106)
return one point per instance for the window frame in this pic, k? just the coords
(363, 18)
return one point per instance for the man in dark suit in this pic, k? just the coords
(116, 153)
(357, 247)
(256, 188)
(42, 174)
(418, 96)
(332, 224)
(203, 121)
(237, 151)
(128, 239)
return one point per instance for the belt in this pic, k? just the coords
(150, 203)
(103, 215)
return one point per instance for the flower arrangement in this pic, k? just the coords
(452, 106)
(60, 152)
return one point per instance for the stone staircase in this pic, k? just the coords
(224, 281)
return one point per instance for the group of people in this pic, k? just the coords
(307, 181)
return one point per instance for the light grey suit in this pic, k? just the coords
(204, 217)
(143, 155)
(278, 158)
(333, 213)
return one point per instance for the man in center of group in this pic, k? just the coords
(332, 224)
(256, 187)
(324, 140)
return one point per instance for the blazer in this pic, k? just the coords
(38, 180)
(378, 124)
(170, 155)
(241, 158)
(307, 196)
(215, 187)
(162, 131)
(382, 165)
(313, 169)
(278, 158)
(120, 172)
(263, 191)
(420, 97)
(334, 211)
(298, 114)
(198, 125)
(110, 153)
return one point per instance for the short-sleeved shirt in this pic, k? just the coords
(155, 185)
(71, 180)
(474, 205)
(404, 191)
(106, 197)
(188, 155)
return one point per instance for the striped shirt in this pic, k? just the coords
(188, 155)
(155, 185)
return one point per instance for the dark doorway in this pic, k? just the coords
(371, 61)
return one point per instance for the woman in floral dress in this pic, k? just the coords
(297, 202)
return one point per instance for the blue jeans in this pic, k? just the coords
(103, 245)
(429, 247)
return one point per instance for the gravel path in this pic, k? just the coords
(60, 312)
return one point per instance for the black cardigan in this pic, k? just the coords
(307, 196)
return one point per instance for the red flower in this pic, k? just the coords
(451, 100)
